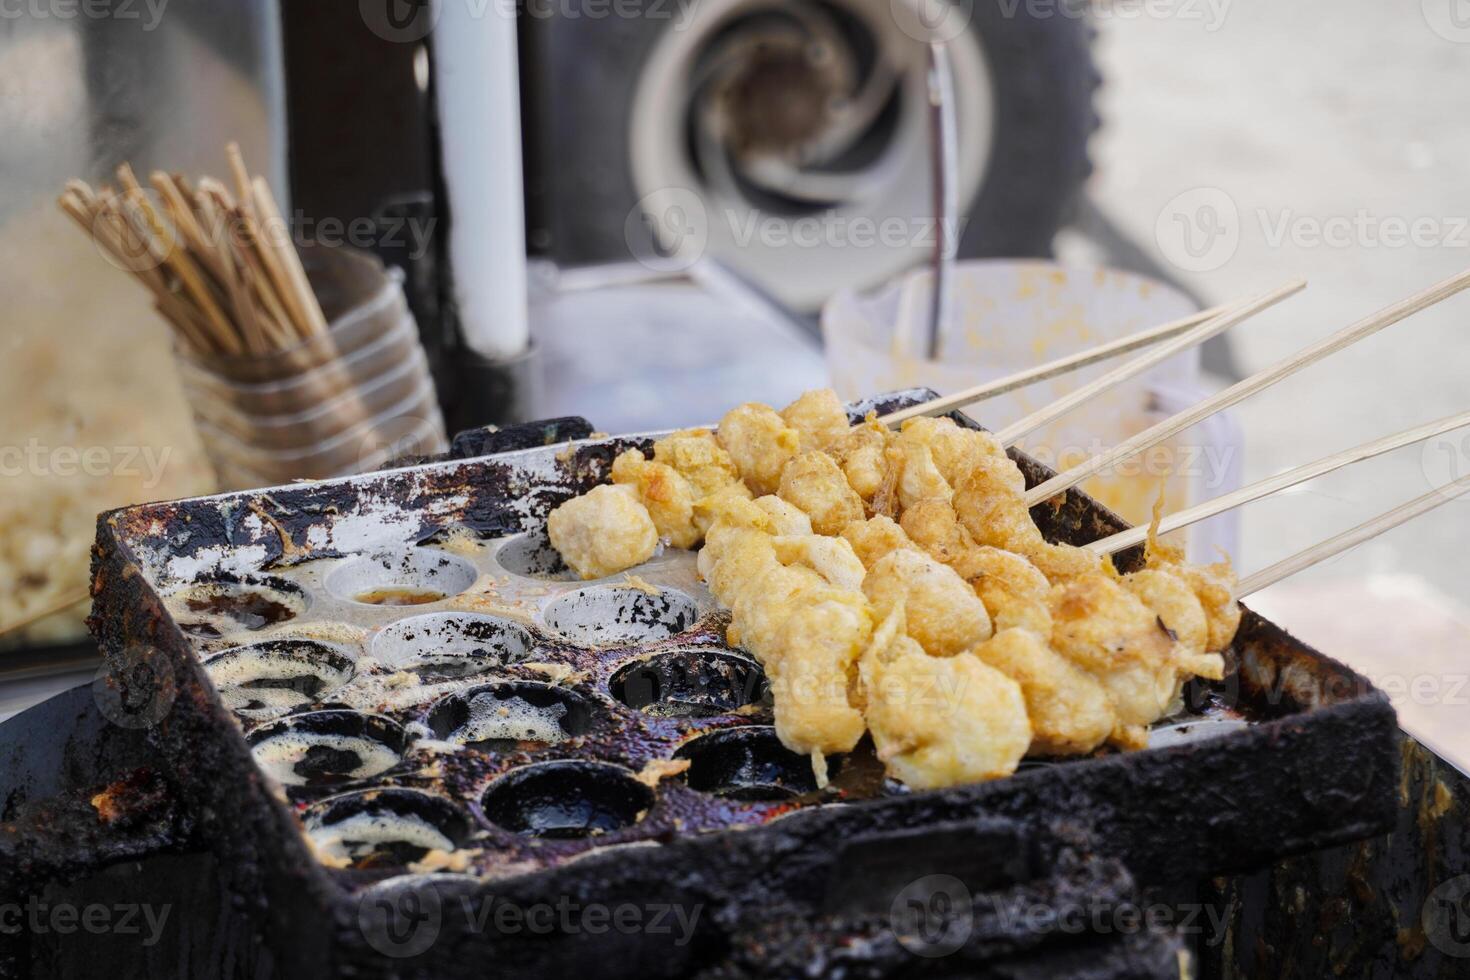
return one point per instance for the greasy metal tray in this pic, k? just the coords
(1292, 752)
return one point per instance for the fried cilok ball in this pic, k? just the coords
(933, 526)
(667, 495)
(919, 478)
(1070, 712)
(725, 515)
(990, 503)
(1013, 589)
(1179, 612)
(697, 455)
(875, 537)
(818, 646)
(818, 416)
(942, 611)
(941, 721)
(861, 453)
(786, 518)
(760, 443)
(603, 532)
(760, 606)
(708, 509)
(831, 558)
(1214, 585)
(1110, 633)
(814, 484)
(953, 447)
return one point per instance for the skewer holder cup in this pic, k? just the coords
(344, 402)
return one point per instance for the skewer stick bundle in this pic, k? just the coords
(220, 264)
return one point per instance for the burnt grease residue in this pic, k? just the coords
(252, 610)
(399, 597)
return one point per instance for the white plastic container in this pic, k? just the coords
(1008, 315)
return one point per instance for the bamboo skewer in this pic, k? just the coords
(221, 265)
(1053, 369)
(1192, 338)
(1289, 478)
(1348, 540)
(1285, 368)
(265, 203)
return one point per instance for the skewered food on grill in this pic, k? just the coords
(1023, 646)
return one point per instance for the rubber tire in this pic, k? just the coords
(580, 76)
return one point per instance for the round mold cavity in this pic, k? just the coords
(608, 616)
(322, 748)
(446, 645)
(511, 715)
(415, 577)
(378, 827)
(223, 604)
(690, 683)
(566, 799)
(531, 555)
(747, 764)
(266, 680)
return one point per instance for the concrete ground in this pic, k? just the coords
(1326, 139)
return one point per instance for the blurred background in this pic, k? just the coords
(638, 211)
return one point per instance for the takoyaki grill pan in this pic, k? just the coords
(383, 694)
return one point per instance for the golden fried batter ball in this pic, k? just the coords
(818, 646)
(1070, 712)
(990, 504)
(875, 537)
(942, 721)
(1109, 632)
(831, 558)
(813, 483)
(762, 605)
(1013, 589)
(603, 532)
(760, 442)
(667, 495)
(741, 555)
(989, 501)
(818, 416)
(941, 610)
(861, 453)
(1059, 562)
(1214, 585)
(697, 456)
(710, 508)
(933, 526)
(785, 518)
(919, 479)
(1180, 612)
(954, 448)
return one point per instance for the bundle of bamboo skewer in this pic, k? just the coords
(221, 265)
(279, 392)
